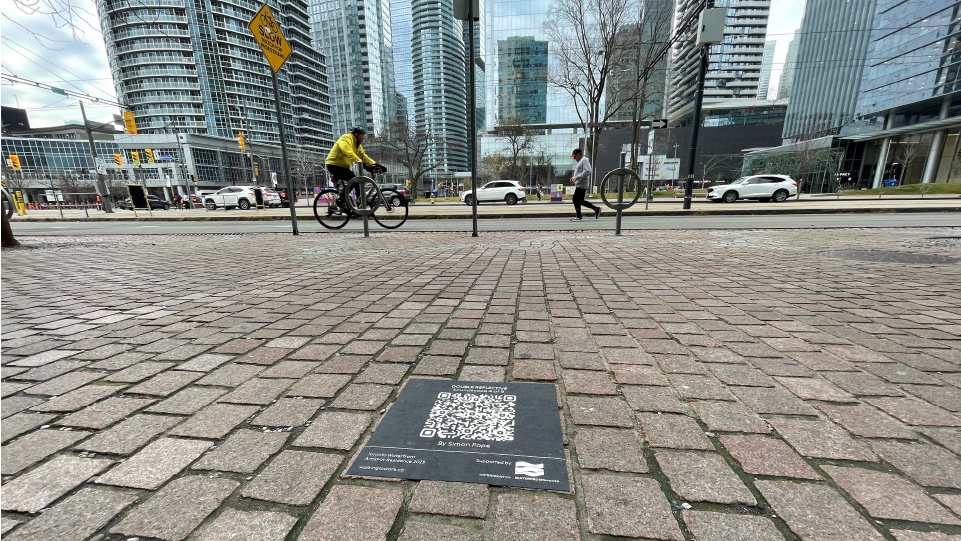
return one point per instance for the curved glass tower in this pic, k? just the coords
(192, 66)
(438, 62)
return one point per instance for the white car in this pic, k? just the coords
(241, 197)
(760, 187)
(508, 191)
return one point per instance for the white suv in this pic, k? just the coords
(760, 187)
(241, 197)
(508, 191)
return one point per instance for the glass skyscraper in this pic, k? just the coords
(831, 48)
(522, 79)
(356, 38)
(438, 62)
(192, 65)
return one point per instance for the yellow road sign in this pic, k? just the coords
(266, 31)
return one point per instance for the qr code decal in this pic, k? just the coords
(471, 417)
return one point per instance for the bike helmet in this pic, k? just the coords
(357, 130)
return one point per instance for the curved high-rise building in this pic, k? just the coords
(438, 62)
(193, 66)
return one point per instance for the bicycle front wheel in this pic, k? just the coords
(327, 212)
(390, 210)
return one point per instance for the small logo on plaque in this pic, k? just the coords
(528, 469)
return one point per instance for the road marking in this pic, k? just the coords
(148, 226)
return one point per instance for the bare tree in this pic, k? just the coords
(305, 165)
(588, 39)
(520, 140)
(408, 142)
(907, 153)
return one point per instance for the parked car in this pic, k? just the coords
(508, 191)
(759, 187)
(155, 203)
(271, 197)
(404, 192)
(241, 197)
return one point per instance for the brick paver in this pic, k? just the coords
(830, 390)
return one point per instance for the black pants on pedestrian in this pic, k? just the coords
(579, 201)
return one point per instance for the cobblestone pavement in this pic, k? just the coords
(730, 385)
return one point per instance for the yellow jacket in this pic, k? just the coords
(347, 151)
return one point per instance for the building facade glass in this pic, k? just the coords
(355, 37)
(832, 45)
(192, 66)
(522, 79)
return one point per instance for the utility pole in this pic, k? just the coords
(469, 10)
(710, 31)
(105, 201)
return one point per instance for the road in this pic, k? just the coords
(790, 221)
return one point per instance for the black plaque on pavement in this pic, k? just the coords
(506, 434)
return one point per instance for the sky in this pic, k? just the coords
(39, 48)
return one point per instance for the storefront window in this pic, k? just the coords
(907, 157)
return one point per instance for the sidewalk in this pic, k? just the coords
(422, 210)
(720, 385)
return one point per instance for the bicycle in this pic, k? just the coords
(360, 196)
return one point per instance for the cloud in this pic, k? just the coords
(34, 47)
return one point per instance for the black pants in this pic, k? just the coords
(579, 201)
(341, 176)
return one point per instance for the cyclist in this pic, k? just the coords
(346, 152)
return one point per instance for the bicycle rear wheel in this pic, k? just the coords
(390, 211)
(327, 212)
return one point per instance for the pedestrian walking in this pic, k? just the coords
(581, 180)
(177, 200)
(538, 193)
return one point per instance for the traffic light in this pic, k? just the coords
(130, 123)
(134, 157)
(256, 171)
(118, 159)
(240, 139)
(15, 161)
(194, 178)
(147, 155)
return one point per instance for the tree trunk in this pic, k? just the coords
(6, 234)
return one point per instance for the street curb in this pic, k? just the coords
(608, 213)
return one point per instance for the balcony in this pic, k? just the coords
(140, 4)
(170, 125)
(151, 19)
(154, 60)
(148, 31)
(163, 99)
(151, 72)
(173, 85)
(149, 46)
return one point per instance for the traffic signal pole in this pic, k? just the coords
(105, 200)
(473, 116)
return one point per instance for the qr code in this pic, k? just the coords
(472, 417)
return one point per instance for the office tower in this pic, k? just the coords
(440, 82)
(193, 66)
(355, 36)
(907, 105)
(522, 79)
(832, 46)
(767, 63)
(734, 68)
(787, 73)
